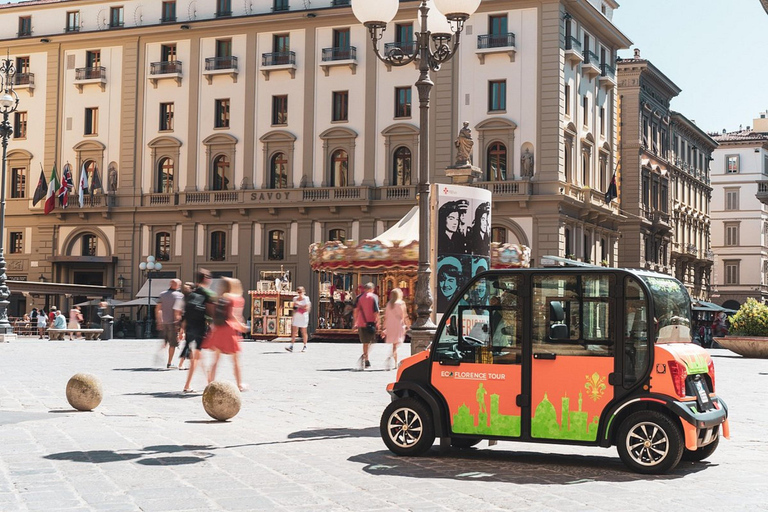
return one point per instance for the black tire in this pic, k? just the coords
(463, 442)
(650, 443)
(407, 427)
(702, 453)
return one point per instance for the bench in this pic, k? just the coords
(89, 334)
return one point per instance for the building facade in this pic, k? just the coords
(665, 184)
(232, 136)
(740, 214)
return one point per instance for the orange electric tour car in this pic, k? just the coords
(572, 355)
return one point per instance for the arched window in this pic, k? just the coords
(221, 173)
(401, 167)
(497, 162)
(276, 245)
(339, 235)
(218, 246)
(499, 235)
(163, 246)
(339, 168)
(89, 245)
(278, 177)
(166, 170)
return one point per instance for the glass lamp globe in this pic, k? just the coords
(151, 265)
(150, 259)
(143, 265)
(158, 266)
(7, 101)
(375, 12)
(436, 22)
(457, 9)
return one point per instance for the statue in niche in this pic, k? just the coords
(112, 179)
(464, 145)
(526, 164)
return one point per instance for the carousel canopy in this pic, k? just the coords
(404, 232)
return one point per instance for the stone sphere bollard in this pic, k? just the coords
(84, 392)
(221, 400)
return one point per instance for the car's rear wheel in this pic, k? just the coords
(702, 453)
(464, 442)
(407, 427)
(649, 442)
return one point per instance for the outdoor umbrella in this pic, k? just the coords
(95, 302)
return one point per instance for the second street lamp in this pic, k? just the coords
(9, 102)
(150, 267)
(439, 25)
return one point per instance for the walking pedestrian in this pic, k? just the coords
(198, 307)
(227, 329)
(186, 350)
(170, 305)
(75, 317)
(396, 322)
(42, 323)
(300, 320)
(366, 321)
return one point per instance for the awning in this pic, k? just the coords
(159, 285)
(96, 302)
(138, 302)
(40, 288)
(710, 307)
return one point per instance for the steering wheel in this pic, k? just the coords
(473, 342)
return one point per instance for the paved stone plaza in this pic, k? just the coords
(307, 439)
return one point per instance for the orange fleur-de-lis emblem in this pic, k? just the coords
(595, 386)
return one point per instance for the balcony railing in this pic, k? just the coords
(24, 79)
(607, 70)
(278, 58)
(591, 58)
(72, 28)
(571, 43)
(165, 67)
(407, 47)
(506, 188)
(224, 13)
(168, 19)
(280, 6)
(340, 53)
(216, 63)
(336, 3)
(91, 73)
(486, 41)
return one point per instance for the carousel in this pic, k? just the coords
(389, 261)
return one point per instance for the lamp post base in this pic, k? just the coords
(7, 337)
(421, 338)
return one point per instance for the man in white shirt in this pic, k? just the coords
(170, 304)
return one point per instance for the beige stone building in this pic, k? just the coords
(231, 136)
(664, 180)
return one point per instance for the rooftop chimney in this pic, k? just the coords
(761, 124)
(637, 53)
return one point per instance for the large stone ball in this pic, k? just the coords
(84, 392)
(221, 400)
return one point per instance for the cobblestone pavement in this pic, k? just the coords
(307, 439)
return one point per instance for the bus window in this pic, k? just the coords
(636, 344)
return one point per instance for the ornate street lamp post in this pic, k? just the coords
(9, 102)
(150, 267)
(437, 40)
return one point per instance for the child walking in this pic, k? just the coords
(395, 322)
(228, 326)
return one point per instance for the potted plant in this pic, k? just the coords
(748, 334)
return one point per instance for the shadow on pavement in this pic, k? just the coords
(166, 394)
(512, 467)
(142, 369)
(335, 433)
(367, 370)
(143, 456)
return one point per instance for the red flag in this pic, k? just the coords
(53, 187)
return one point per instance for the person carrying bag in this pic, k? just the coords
(366, 321)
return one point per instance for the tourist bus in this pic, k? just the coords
(571, 355)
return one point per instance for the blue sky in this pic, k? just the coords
(714, 50)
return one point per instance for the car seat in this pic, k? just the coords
(558, 329)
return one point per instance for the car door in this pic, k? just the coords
(478, 356)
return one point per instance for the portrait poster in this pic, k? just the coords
(461, 239)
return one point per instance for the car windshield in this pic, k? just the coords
(672, 309)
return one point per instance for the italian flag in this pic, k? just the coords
(53, 187)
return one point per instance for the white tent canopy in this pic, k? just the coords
(405, 231)
(159, 285)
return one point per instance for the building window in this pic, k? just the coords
(402, 165)
(223, 49)
(731, 272)
(221, 173)
(337, 235)
(499, 235)
(340, 106)
(25, 26)
(497, 25)
(20, 125)
(88, 247)
(497, 95)
(163, 246)
(567, 100)
(402, 102)
(731, 199)
(568, 250)
(218, 246)
(17, 242)
(168, 12)
(732, 234)
(222, 113)
(602, 121)
(276, 245)
(568, 159)
(341, 43)
(166, 117)
(280, 110)
(22, 68)
(497, 162)
(280, 5)
(166, 170)
(732, 164)
(223, 8)
(93, 58)
(91, 121)
(603, 172)
(73, 21)
(168, 53)
(279, 171)
(585, 110)
(586, 167)
(116, 17)
(339, 169)
(404, 37)
(18, 182)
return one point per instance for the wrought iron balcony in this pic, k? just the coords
(607, 75)
(220, 63)
(278, 58)
(165, 67)
(91, 73)
(24, 79)
(72, 28)
(590, 57)
(572, 43)
(762, 191)
(168, 19)
(495, 43)
(407, 47)
(340, 53)
(224, 13)
(591, 65)
(573, 50)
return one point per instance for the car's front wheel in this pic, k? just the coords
(407, 427)
(649, 442)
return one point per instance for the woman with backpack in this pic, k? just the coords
(228, 327)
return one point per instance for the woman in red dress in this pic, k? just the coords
(227, 329)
